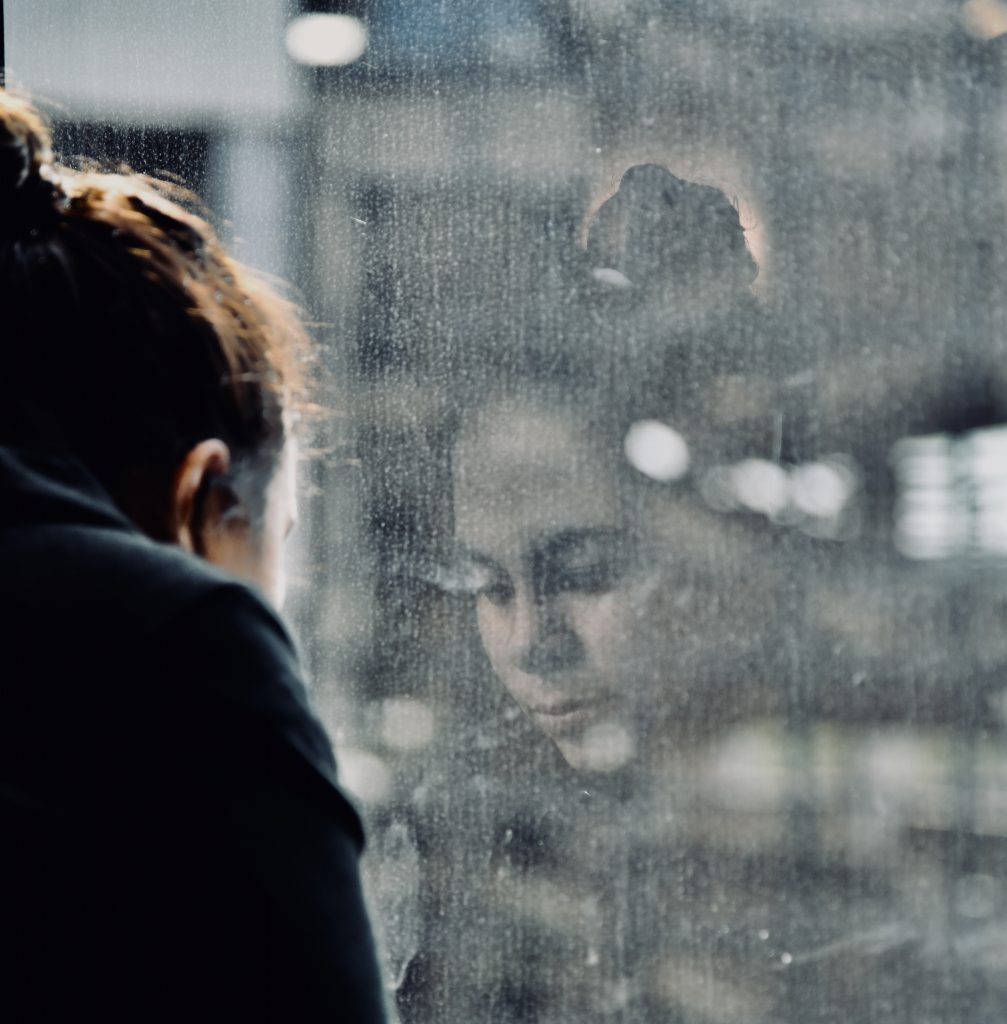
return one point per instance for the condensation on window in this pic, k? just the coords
(652, 579)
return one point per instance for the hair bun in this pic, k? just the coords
(27, 197)
(659, 230)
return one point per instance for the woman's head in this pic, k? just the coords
(135, 343)
(619, 611)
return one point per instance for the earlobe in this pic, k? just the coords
(205, 464)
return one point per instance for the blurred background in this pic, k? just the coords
(416, 169)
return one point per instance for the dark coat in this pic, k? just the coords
(173, 841)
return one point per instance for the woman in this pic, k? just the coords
(175, 844)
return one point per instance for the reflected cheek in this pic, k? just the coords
(576, 636)
(629, 642)
(496, 630)
(608, 628)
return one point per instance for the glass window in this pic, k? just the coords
(652, 578)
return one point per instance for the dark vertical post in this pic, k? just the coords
(3, 57)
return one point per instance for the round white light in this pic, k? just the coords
(326, 40)
(657, 451)
(821, 489)
(761, 486)
(365, 775)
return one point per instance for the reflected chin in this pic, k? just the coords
(603, 747)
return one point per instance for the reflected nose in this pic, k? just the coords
(543, 640)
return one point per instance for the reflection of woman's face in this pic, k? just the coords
(589, 624)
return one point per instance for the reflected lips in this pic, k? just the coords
(568, 716)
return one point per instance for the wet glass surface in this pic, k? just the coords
(652, 574)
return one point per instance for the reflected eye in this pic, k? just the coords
(595, 578)
(497, 591)
(583, 562)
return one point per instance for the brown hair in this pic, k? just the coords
(129, 333)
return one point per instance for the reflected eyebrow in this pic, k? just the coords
(549, 546)
(558, 544)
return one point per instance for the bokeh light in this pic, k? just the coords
(657, 451)
(407, 724)
(326, 40)
(985, 19)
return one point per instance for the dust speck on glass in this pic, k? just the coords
(652, 574)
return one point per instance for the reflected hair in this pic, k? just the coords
(130, 333)
(654, 319)
(659, 230)
(660, 295)
(655, 306)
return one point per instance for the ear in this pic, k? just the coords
(202, 468)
